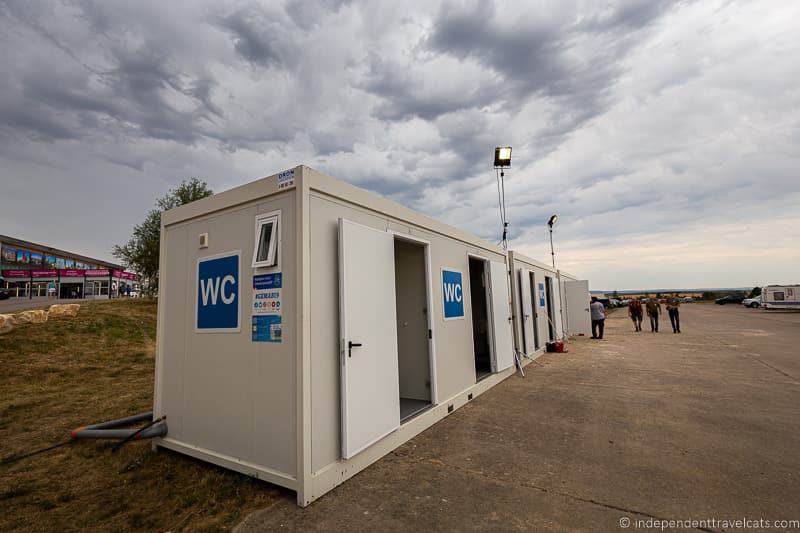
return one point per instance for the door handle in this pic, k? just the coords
(350, 346)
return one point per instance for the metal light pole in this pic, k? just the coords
(502, 159)
(550, 223)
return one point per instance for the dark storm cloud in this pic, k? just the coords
(534, 55)
(259, 37)
(125, 93)
(405, 96)
(569, 58)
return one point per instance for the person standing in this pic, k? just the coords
(653, 310)
(673, 305)
(598, 311)
(636, 313)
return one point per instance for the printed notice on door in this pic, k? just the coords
(267, 306)
(267, 294)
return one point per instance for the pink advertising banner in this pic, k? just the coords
(71, 273)
(125, 275)
(98, 273)
(17, 274)
(44, 273)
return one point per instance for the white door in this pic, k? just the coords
(528, 340)
(578, 318)
(368, 336)
(501, 317)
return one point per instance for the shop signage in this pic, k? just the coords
(16, 273)
(119, 274)
(71, 273)
(98, 273)
(44, 273)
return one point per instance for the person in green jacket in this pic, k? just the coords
(653, 310)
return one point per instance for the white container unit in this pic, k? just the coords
(545, 304)
(307, 327)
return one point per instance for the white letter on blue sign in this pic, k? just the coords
(209, 289)
(228, 280)
(213, 289)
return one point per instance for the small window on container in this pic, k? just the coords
(778, 296)
(266, 247)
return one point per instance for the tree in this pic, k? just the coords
(755, 292)
(140, 253)
(615, 295)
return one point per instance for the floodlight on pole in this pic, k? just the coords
(551, 221)
(502, 156)
(502, 159)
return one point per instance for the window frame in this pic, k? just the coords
(273, 252)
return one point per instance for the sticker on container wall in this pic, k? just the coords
(267, 328)
(286, 179)
(453, 294)
(267, 294)
(541, 295)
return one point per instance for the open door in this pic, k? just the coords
(526, 311)
(368, 336)
(577, 297)
(501, 318)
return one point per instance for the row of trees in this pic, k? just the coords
(141, 253)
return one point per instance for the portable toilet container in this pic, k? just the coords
(540, 295)
(307, 327)
(575, 299)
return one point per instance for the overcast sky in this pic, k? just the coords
(666, 135)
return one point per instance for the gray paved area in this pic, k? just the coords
(705, 424)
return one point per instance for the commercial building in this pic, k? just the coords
(307, 327)
(29, 269)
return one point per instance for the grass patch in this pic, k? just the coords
(100, 365)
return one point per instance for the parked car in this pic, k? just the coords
(687, 300)
(730, 299)
(752, 302)
(5, 294)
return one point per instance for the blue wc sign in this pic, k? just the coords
(218, 293)
(453, 294)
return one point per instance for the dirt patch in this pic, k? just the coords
(72, 371)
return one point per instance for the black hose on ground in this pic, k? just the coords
(18, 457)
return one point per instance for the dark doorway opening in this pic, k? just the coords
(71, 290)
(480, 318)
(535, 307)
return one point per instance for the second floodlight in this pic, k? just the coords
(552, 220)
(502, 156)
